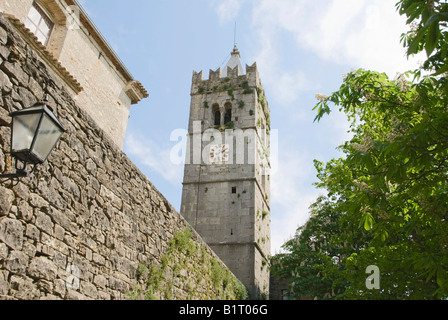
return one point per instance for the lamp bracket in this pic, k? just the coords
(20, 173)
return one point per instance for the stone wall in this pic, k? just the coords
(88, 224)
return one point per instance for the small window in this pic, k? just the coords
(217, 118)
(234, 190)
(216, 115)
(228, 115)
(39, 24)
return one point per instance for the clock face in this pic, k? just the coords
(219, 154)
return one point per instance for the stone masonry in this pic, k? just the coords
(84, 222)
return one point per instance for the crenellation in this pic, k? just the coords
(215, 75)
(252, 69)
(233, 80)
(198, 76)
(232, 73)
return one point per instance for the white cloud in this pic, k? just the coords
(151, 155)
(291, 196)
(285, 84)
(288, 86)
(228, 10)
(359, 33)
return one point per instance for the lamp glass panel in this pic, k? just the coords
(24, 128)
(47, 137)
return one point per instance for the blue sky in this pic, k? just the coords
(301, 47)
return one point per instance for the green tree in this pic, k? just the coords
(308, 251)
(393, 180)
(387, 202)
(428, 20)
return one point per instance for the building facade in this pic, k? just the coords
(226, 187)
(70, 44)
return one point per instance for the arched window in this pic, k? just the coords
(228, 115)
(39, 23)
(216, 115)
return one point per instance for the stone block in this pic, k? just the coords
(100, 281)
(44, 223)
(3, 251)
(32, 232)
(24, 211)
(42, 268)
(89, 289)
(111, 197)
(11, 233)
(22, 191)
(16, 262)
(14, 70)
(75, 295)
(117, 284)
(5, 83)
(27, 98)
(60, 287)
(6, 199)
(63, 219)
(4, 285)
(22, 288)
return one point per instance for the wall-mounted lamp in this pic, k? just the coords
(34, 133)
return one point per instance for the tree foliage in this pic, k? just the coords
(390, 190)
(428, 20)
(310, 250)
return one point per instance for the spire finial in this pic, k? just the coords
(234, 36)
(235, 50)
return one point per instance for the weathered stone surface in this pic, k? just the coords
(60, 288)
(11, 233)
(22, 288)
(32, 232)
(25, 211)
(6, 84)
(3, 36)
(6, 197)
(3, 251)
(13, 69)
(16, 262)
(42, 268)
(4, 285)
(89, 290)
(100, 281)
(118, 284)
(43, 222)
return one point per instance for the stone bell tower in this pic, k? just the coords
(226, 188)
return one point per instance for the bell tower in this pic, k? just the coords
(226, 187)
